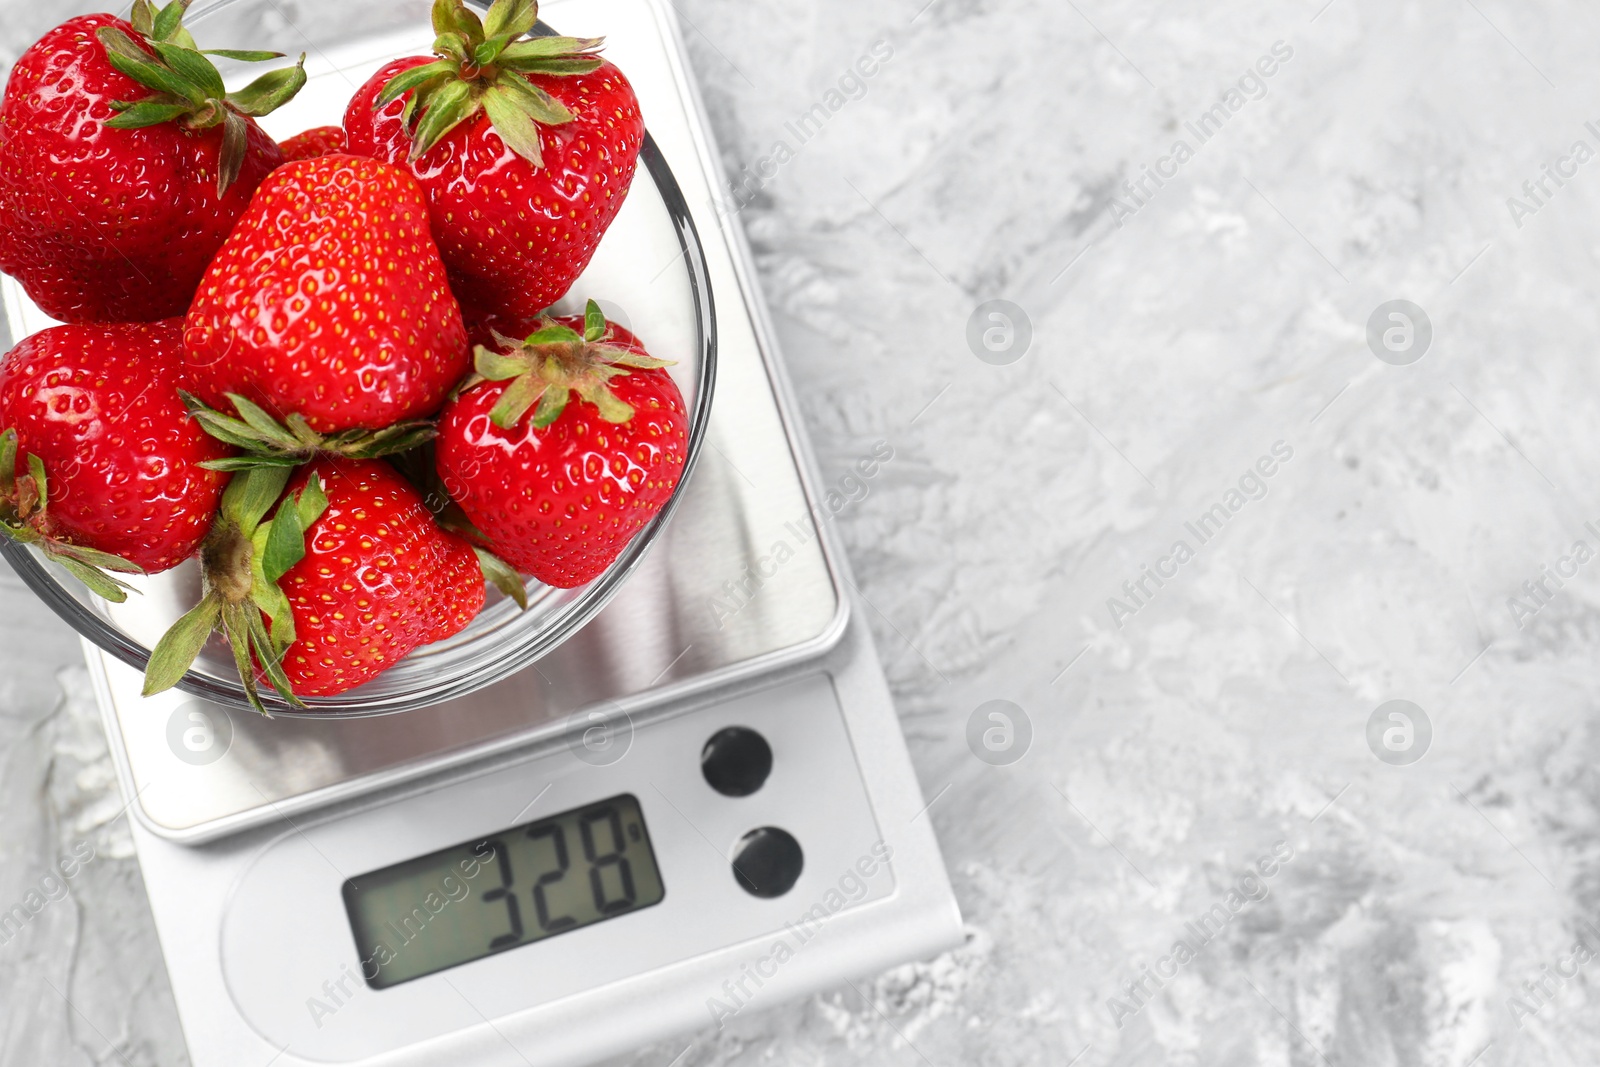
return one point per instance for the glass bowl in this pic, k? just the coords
(649, 274)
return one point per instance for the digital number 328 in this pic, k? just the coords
(597, 861)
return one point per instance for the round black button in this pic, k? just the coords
(736, 761)
(768, 862)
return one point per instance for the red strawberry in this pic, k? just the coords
(329, 301)
(118, 458)
(526, 149)
(379, 578)
(113, 200)
(560, 492)
(351, 570)
(313, 143)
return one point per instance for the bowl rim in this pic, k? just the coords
(37, 576)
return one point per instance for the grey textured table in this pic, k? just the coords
(1431, 913)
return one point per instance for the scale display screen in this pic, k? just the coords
(524, 884)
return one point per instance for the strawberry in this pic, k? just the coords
(351, 571)
(329, 301)
(379, 578)
(107, 459)
(526, 149)
(113, 200)
(560, 492)
(313, 143)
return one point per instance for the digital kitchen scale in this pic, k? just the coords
(543, 872)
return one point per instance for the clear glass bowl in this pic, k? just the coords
(649, 274)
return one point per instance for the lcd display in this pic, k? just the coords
(524, 884)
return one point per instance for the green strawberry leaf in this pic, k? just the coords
(452, 16)
(133, 61)
(595, 326)
(235, 142)
(180, 646)
(510, 18)
(265, 593)
(145, 113)
(302, 431)
(270, 91)
(40, 485)
(559, 66)
(8, 462)
(514, 403)
(247, 463)
(188, 85)
(169, 20)
(117, 43)
(293, 442)
(554, 334)
(551, 405)
(401, 437)
(270, 656)
(549, 48)
(513, 120)
(243, 55)
(22, 534)
(98, 582)
(498, 573)
(498, 367)
(143, 17)
(456, 46)
(283, 632)
(623, 357)
(285, 543)
(250, 496)
(408, 80)
(487, 52)
(93, 557)
(448, 108)
(311, 503)
(190, 65)
(236, 627)
(612, 409)
(539, 105)
(256, 418)
(224, 428)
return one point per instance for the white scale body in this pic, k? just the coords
(244, 857)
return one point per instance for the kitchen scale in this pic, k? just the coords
(543, 872)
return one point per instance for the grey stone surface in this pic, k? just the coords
(1428, 912)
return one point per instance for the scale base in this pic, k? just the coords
(201, 895)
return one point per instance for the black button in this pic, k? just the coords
(768, 862)
(736, 761)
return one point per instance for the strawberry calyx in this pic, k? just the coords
(242, 560)
(24, 519)
(542, 371)
(269, 443)
(189, 89)
(482, 66)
